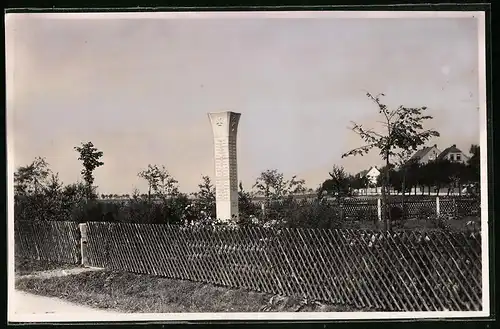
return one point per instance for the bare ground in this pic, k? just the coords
(24, 303)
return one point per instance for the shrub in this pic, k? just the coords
(316, 214)
(425, 212)
(396, 215)
(440, 222)
(365, 214)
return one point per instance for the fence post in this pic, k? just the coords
(379, 209)
(455, 208)
(83, 243)
(438, 210)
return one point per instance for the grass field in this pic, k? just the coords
(24, 266)
(134, 293)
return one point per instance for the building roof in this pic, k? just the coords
(451, 149)
(363, 173)
(421, 153)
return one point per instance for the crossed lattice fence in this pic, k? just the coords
(413, 206)
(366, 209)
(403, 271)
(47, 240)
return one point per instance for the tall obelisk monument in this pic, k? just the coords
(225, 129)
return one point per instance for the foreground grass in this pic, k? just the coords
(23, 266)
(134, 293)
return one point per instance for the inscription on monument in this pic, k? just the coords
(224, 127)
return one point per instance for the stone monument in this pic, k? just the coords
(225, 128)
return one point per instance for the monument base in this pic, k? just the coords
(225, 209)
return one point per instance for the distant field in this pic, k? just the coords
(424, 196)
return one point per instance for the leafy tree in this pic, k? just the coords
(167, 185)
(412, 175)
(359, 182)
(36, 192)
(272, 185)
(339, 183)
(32, 178)
(40, 195)
(89, 155)
(474, 167)
(424, 177)
(174, 207)
(54, 186)
(278, 194)
(430, 178)
(403, 162)
(247, 208)
(475, 158)
(160, 182)
(402, 130)
(396, 180)
(450, 174)
(151, 176)
(205, 198)
(395, 177)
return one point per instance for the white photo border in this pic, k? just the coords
(268, 316)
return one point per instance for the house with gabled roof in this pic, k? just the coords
(372, 174)
(453, 154)
(426, 154)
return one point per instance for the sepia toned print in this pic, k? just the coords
(246, 166)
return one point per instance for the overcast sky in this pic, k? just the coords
(140, 90)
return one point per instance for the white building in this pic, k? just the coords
(372, 175)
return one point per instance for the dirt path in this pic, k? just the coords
(60, 272)
(29, 304)
(24, 303)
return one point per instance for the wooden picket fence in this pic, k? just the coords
(52, 241)
(385, 271)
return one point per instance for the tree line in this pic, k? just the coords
(426, 178)
(40, 195)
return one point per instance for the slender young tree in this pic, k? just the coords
(205, 197)
(402, 130)
(89, 155)
(151, 176)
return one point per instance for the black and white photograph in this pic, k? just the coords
(279, 165)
